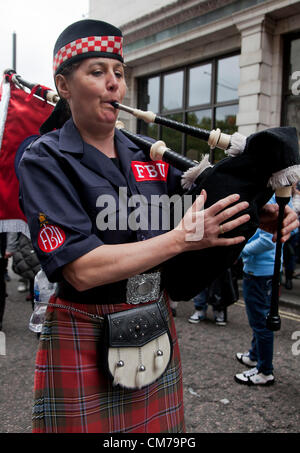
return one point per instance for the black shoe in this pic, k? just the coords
(288, 284)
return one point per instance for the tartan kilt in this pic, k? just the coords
(73, 393)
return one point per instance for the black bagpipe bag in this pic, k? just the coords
(270, 160)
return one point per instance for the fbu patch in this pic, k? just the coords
(50, 238)
(150, 171)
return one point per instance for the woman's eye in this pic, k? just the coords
(97, 73)
(119, 75)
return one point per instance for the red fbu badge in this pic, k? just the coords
(150, 171)
(50, 238)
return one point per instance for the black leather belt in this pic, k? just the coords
(113, 293)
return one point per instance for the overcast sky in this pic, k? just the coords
(37, 24)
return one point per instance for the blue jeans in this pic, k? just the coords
(257, 295)
(200, 301)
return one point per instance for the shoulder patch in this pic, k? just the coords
(50, 238)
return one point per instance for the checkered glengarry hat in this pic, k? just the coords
(85, 39)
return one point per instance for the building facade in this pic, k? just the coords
(209, 63)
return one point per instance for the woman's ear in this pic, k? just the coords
(62, 86)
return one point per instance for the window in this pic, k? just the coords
(203, 95)
(291, 82)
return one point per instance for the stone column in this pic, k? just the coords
(256, 74)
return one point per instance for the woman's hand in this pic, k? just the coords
(202, 228)
(269, 221)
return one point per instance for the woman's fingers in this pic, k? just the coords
(228, 226)
(230, 241)
(232, 211)
(223, 203)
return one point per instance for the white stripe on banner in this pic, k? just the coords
(2, 344)
(3, 108)
(14, 226)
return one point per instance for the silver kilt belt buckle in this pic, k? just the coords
(143, 288)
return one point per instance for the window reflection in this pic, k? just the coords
(293, 115)
(153, 94)
(173, 91)
(199, 85)
(228, 79)
(196, 148)
(212, 86)
(226, 118)
(171, 137)
(294, 60)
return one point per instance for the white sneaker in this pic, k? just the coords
(220, 319)
(253, 377)
(22, 287)
(243, 357)
(198, 316)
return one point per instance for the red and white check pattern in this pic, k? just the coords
(111, 44)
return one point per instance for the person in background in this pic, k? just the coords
(296, 206)
(6, 246)
(220, 294)
(25, 263)
(258, 257)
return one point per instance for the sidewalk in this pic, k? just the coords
(291, 297)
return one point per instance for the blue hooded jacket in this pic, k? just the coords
(259, 253)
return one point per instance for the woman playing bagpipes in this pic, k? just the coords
(108, 358)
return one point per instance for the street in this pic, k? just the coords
(214, 403)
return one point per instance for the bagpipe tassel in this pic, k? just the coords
(285, 177)
(237, 145)
(140, 376)
(158, 359)
(190, 176)
(119, 368)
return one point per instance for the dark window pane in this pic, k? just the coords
(152, 131)
(199, 85)
(226, 118)
(153, 94)
(171, 137)
(293, 113)
(226, 121)
(228, 79)
(173, 91)
(195, 146)
(295, 55)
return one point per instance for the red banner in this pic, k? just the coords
(21, 115)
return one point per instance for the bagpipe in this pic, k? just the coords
(257, 166)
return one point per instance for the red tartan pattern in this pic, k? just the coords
(110, 44)
(73, 393)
